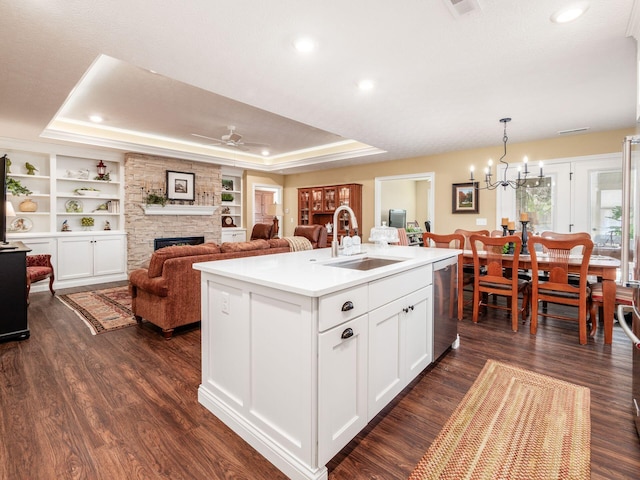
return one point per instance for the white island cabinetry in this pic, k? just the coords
(299, 355)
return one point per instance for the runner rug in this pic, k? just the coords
(102, 310)
(513, 424)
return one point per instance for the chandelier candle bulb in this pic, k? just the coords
(471, 170)
(541, 175)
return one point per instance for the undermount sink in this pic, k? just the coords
(365, 263)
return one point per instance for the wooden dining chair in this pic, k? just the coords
(555, 255)
(467, 268)
(456, 241)
(494, 276)
(624, 296)
(402, 235)
(467, 235)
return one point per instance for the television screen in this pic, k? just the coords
(397, 218)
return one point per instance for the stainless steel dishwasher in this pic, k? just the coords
(445, 305)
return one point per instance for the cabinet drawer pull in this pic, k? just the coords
(347, 333)
(346, 306)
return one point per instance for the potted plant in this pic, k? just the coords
(155, 199)
(227, 197)
(16, 188)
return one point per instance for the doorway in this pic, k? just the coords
(580, 194)
(263, 197)
(413, 193)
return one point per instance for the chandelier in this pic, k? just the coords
(522, 175)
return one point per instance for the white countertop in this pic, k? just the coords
(310, 272)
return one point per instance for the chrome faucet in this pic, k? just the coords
(354, 224)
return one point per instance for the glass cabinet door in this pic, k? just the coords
(345, 194)
(303, 201)
(329, 199)
(316, 199)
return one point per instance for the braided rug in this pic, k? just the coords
(513, 424)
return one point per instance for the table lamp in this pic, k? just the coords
(275, 209)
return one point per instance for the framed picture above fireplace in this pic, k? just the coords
(181, 186)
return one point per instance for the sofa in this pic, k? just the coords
(166, 293)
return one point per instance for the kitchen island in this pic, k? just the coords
(300, 350)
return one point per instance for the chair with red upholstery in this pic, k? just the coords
(39, 268)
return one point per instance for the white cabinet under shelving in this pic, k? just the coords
(90, 256)
(233, 235)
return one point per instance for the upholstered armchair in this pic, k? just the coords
(39, 268)
(317, 234)
(262, 231)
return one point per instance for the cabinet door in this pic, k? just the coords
(303, 206)
(316, 199)
(400, 346)
(418, 333)
(342, 386)
(108, 255)
(329, 198)
(75, 258)
(385, 361)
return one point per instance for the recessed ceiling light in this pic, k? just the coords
(304, 45)
(265, 152)
(96, 118)
(366, 85)
(570, 12)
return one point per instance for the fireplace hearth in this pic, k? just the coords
(169, 242)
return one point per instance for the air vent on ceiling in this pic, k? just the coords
(573, 130)
(458, 8)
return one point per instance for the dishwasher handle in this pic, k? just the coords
(625, 327)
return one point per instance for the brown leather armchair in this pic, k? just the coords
(317, 234)
(262, 231)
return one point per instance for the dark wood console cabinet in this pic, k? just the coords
(13, 292)
(316, 205)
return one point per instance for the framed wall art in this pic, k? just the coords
(181, 186)
(465, 198)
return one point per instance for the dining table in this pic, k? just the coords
(603, 267)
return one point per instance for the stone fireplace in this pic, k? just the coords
(146, 172)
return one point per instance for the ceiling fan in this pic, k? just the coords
(232, 139)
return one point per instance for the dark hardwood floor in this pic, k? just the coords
(123, 405)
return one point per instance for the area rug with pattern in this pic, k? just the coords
(102, 310)
(513, 424)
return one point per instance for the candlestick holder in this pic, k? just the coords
(511, 244)
(504, 230)
(524, 250)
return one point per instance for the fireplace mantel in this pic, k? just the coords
(179, 209)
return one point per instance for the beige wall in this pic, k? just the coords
(452, 167)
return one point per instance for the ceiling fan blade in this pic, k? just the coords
(253, 144)
(209, 138)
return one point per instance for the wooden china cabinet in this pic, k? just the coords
(316, 205)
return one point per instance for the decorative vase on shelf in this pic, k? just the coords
(28, 205)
